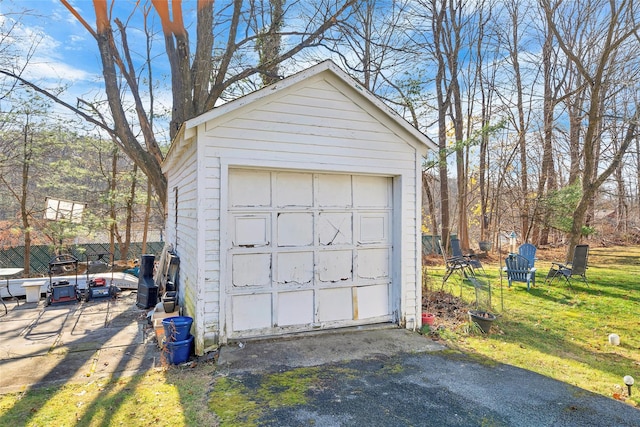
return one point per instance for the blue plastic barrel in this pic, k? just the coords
(177, 328)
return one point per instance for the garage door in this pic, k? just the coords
(307, 251)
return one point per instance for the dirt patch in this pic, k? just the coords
(450, 311)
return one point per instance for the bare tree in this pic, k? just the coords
(485, 81)
(269, 42)
(443, 98)
(612, 28)
(547, 178)
(199, 79)
(374, 48)
(22, 154)
(521, 119)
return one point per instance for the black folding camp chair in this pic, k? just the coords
(455, 264)
(576, 268)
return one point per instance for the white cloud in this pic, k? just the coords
(44, 57)
(46, 69)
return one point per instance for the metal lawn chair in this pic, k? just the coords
(528, 251)
(518, 269)
(455, 264)
(577, 267)
(471, 259)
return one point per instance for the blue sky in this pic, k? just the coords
(65, 54)
(64, 48)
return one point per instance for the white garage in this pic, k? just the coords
(296, 208)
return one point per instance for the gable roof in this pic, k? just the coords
(358, 93)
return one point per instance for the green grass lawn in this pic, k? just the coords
(561, 331)
(552, 329)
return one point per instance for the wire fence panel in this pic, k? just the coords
(42, 254)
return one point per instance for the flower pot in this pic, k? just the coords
(169, 301)
(179, 351)
(483, 319)
(177, 328)
(485, 245)
(428, 318)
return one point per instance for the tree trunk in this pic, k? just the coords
(269, 45)
(574, 108)
(443, 101)
(430, 203)
(621, 198)
(112, 201)
(24, 214)
(637, 144)
(149, 161)
(124, 250)
(147, 212)
(547, 179)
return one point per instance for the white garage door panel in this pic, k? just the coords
(295, 308)
(373, 263)
(334, 191)
(251, 230)
(371, 191)
(294, 268)
(249, 188)
(373, 227)
(295, 229)
(307, 251)
(335, 228)
(335, 266)
(335, 304)
(294, 189)
(251, 312)
(251, 269)
(373, 301)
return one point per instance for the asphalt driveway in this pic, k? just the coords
(392, 377)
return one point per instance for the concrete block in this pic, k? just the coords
(33, 290)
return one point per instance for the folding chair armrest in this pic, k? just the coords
(452, 262)
(560, 265)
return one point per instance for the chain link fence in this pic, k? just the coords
(42, 254)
